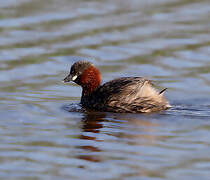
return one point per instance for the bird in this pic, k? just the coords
(121, 95)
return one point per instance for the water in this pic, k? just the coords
(166, 41)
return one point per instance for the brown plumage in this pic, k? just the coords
(127, 94)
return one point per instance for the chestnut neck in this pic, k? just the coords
(90, 80)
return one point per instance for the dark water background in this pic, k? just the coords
(165, 40)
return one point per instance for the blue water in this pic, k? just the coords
(44, 132)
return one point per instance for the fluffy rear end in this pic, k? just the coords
(139, 97)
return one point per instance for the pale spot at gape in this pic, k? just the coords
(74, 77)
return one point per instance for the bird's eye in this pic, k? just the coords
(72, 71)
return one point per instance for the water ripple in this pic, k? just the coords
(46, 134)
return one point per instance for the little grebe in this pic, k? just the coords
(127, 94)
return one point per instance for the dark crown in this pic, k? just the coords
(79, 67)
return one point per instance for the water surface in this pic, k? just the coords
(166, 41)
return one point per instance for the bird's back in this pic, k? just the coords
(128, 94)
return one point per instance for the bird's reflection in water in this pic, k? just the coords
(138, 129)
(92, 122)
(126, 129)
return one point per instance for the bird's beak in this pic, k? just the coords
(68, 78)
